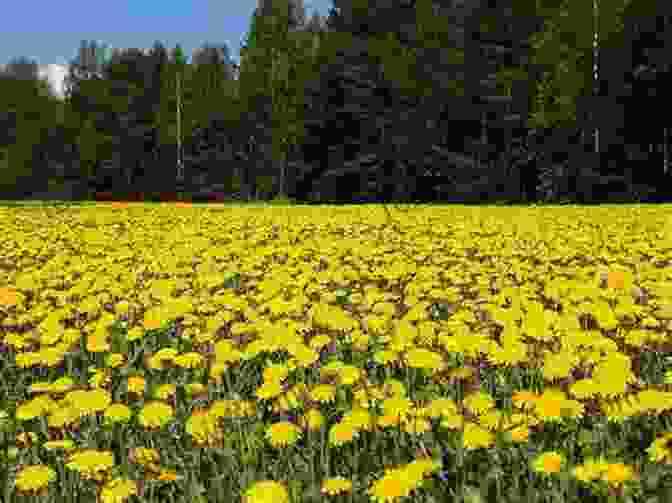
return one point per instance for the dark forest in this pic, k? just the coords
(472, 101)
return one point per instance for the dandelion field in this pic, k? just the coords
(179, 353)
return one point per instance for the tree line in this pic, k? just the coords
(383, 101)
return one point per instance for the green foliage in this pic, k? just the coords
(282, 200)
(565, 49)
(177, 90)
(31, 112)
(275, 67)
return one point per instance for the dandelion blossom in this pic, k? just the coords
(342, 433)
(267, 491)
(34, 478)
(269, 390)
(155, 414)
(617, 473)
(312, 420)
(118, 491)
(90, 463)
(422, 358)
(117, 413)
(283, 434)
(390, 487)
(476, 437)
(591, 469)
(548, 462)
(479, 402)
(336, 485)
(136, 384)
(323, 393)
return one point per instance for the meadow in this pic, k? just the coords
(223, 353)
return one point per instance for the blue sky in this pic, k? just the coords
(50, 32)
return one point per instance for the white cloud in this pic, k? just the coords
(55, 74)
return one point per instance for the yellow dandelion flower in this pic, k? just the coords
(118, 490)
(476, 437)
(462, 373)
(116, 360)
(155, 414)
(323, 393)
(217, 371)
(122, 307)
(548, 462)
(100, 378)
(55, 445)
(167, 476)
(349, 375)
(27, 360)
(303, 356)
(491, 419)
(191, 360)
(342, 433)
(34, 478)
(479, 402)
(89, 402)
(388, 420)
(202, 426)
(51, 356)
(394, 388)
(360, 418)
(10, 297)
(153, 319)
(391, 487)
(283, 433)
(195, 388)
(29, 410)
(442, 407)
(397, 406)
(97, 343)
(591, 469)
(559, 365)
(617, 473)
(269, 390)
(63, 417)
(167, 354)
(136, 384)
(524, 399)
(519, 434)
(117, 413)
(267, 491)
(275, 373)
(165, 391)
(554, 406)
(312, 420)
(336, 485)
(385, 357)
(62, 385)
(659, 451)
(367, 396)
(144, 456)
(418, 469)
(90, 463)
(417, 425)
(422, 358)
(135, 334)
(319, 341)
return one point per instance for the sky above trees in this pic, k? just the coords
(50, 32)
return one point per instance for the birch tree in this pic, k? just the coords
(175, 119)
(275, 66)
(569, 50)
